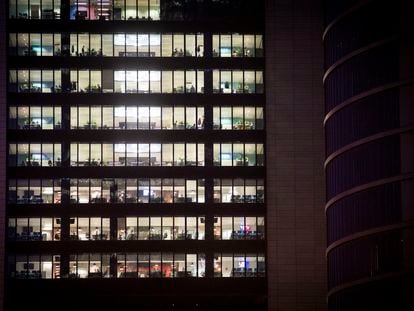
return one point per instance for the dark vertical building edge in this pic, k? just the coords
(3, 127)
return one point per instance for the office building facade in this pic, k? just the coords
(135, 154)
(369, 154)
(162, 154)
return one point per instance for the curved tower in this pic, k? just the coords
(369, 126)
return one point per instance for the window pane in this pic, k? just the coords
(107, 117)
(225, 45)
(259, 118)
(131, 9)
(155, 81)
(225, 82)
(190, 45)
(23, 44)
(249, 82)
(259, 82)
(178, 49)
(143, 11)
(237, 85)
(107, 44)
(155, 45)
(143, 81)
(237, 45)
(47, 44)
(227, 266)
(167, 117)
(83, 44)
(191, 265)
(35, 9)
(200, 81)
(249, 43)
(167, 82)
(119, 45)
(143, 45)
(200, 45)
(131, 45)
(190, 83)
(155, 115)
(178, 81)
(131, 82)
(167, 228)
(154, 10)
(155, 265)
(95, 45)
(47, 81)
(259, 46)
(143, 118)
(119, 9)
(216, 45)
(167, 45)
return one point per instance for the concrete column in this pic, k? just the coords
(296, 264)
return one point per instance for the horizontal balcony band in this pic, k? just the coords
(224, 25)
(355, 98)
(136, 172)
(366, 140)
(366, 186)
(369, 232)
(136, 210)
(137, 136)
(175, 291)
(187, 246)
(114, 99)
(344, 14)
(355, 53)
(363, 281)
(141, 63)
